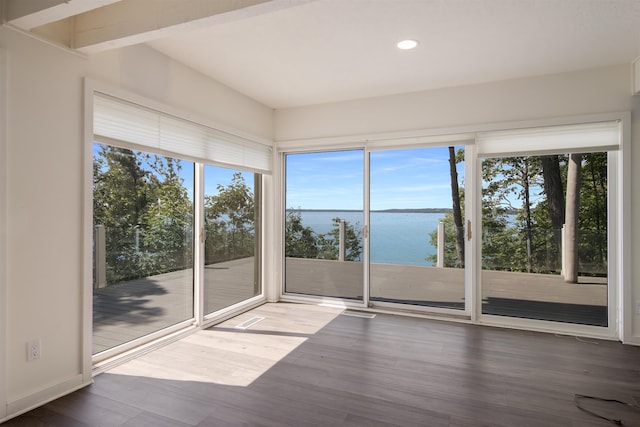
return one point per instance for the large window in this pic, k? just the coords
(417, 227)
(323, 224)
(143, 244)
(546, 208)
(232, 237)
(545, 240)
(176, 222)
(513, 223)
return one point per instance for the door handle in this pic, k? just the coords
(468, 229)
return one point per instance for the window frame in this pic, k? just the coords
(90, 364)
(621, 292)
(3, 221)
(618, 221)
(182, 324)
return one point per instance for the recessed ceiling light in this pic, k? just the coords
(407, 44)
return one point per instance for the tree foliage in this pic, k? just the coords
(140, 200)
(144, 206)
(522, 205)
(230, 217)
(303, 242)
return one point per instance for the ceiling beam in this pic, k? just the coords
(29, 14)
(137, 21)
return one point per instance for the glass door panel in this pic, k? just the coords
(143, 244)
(416, 220)
(323, 224)
(544, 237)
(231, 213)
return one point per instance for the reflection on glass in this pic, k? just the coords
(231, 265)
(323, 237)
(544, 238)
(417, 233)
(143, 246)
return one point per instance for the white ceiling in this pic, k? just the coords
(291, 53)
(333, 50)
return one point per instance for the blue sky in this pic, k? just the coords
(213, 175)
(416, 178)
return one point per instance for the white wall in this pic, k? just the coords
(148, 73)
(579, 93)
(45, 146)
(567, 94)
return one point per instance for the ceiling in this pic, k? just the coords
(291, 53)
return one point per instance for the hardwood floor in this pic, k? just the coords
(309, 365)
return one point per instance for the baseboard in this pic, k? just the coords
(635, 340)
(26, 403)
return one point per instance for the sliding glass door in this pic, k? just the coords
(417, 243)
(232, 237)
(176, 242)
(550, 224)
(143, 245)
(514, 224)
(545, 237)
(323, 224)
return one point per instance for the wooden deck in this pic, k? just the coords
(534, 296)
(313, 366)
(133, 309)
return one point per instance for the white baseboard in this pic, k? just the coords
(33, 400)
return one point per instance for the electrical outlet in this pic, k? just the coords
(33, 350)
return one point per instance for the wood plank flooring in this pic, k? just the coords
(305, 365)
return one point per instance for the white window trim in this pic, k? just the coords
(199, 321)
(3, 229)
(622, 291)
(625, 289)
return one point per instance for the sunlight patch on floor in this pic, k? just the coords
(227, 355)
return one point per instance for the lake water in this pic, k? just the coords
(396, 238)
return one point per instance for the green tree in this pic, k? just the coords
(329, 243)
(457, 206)
(450, 238)
(572, 230)
(500, 241)
(141, 201)
(300, 240)
(168, 238)
(120, 198)
(593, 214)
(554, 202)
(230, 221)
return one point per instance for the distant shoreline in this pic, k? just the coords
(418, 210)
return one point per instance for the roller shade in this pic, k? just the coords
(123, 121)
(600, 136)
(421, 141)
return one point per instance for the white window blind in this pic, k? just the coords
(123, 121)
(600, 136)
(421, 141)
